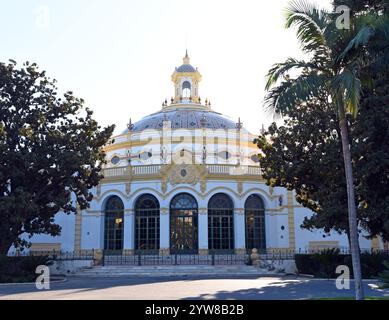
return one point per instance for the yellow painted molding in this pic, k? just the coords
(195, 139)
(291, 226)
(45, 246)
(375, 245)
(77, 230)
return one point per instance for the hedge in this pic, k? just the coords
(21, 268)
(324, 263)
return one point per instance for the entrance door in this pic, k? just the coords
(184, 224)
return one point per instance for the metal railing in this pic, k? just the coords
(176, 259)
(152, 169)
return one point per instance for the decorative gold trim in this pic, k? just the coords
(164, 251)
(203, 211)
(203, 185)
(128, 188)
(184, 174)
(203, 252)
(240, 187)
(240, 250)
(45, 246)
(292, 233)
(239, 210)
(200, 195)
(319, 245)
(375, 245)
(77, 230)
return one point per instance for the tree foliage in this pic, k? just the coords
(50, 153)
(305, 153)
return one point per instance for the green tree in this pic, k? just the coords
(336, 59)
(303, 155)
(50, 154)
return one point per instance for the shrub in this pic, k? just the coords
(324, 263)
(372, 263)
(21, 268)
(384, 276)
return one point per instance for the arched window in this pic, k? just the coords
(186, 89)
(147, 224)
(113, 222)
(183, 224)
(220, 224)
(255, 223)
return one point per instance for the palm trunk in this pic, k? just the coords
(352, 211)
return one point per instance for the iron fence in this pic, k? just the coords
(157, 258)
(176, 259)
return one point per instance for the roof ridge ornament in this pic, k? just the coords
(186, 59)
(239, 124)
(130, 125)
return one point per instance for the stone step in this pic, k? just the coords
(125, 270)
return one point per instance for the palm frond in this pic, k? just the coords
(281, 69)
(289, 93)
(348, 89)
(367, 27)
(310, 22)
(361, 39)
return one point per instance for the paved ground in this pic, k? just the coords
(186, 288)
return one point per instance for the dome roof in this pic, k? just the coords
(184, 118)
(186, 68)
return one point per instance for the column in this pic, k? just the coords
(292, 235)
(129, 232)
(164, 231)
(203, 231)
(239, 231)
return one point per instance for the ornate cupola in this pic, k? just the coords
(186, 83)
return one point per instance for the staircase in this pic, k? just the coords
(170, 270)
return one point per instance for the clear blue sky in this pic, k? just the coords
(119, 55)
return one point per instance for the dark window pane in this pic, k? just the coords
(147, 212)
(113, 224)
(255, 223)
(220, 223)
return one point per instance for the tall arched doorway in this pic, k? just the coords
(113, 224)
(183, 224)
(255, 223)
(220, 224)
(147, 224)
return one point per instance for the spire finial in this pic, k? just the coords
(186, 58)
(130, 125)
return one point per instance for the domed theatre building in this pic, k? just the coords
(187, 180)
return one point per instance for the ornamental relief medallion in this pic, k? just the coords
(184, 174)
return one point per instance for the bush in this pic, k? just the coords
(30, 263)
(384, 276)
(22, 268)
(373, 263)
(324, 263)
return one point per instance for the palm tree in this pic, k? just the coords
(336, 60)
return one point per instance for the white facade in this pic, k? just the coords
(187, 148)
